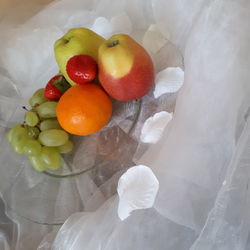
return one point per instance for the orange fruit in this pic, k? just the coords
(84, 109)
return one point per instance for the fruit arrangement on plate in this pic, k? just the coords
(78, 101)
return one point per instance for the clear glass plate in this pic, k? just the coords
(90, 173)
(50, 197)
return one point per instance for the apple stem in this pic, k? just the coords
(65, 40)
(112, 43)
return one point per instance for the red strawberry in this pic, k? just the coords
(56, 86)
(81, 69)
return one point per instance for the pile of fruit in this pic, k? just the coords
(78, 100)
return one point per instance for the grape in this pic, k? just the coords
(19, 136)
(18, 146)
(53, 137)
(18, 131)
(31, 118)
(51, 157)
(49, 124)
(48, 158)
(32, 147)
(37, 98)
(18, 143)
(66, 148)
(11, 132)
(33, 132)
(37, 163)
(47, 110)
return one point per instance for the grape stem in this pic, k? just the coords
(25, 108)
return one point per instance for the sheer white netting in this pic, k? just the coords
(202, 160)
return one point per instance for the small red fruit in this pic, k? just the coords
(81, 69)
(56, 86)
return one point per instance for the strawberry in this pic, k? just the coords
(56, 86)
(81, 69)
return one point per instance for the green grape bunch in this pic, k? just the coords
(40, 136)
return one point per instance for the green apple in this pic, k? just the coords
(76, 41)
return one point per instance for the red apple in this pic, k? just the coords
(126, 70)
(81, 69)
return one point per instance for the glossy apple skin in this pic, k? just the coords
(136, 83)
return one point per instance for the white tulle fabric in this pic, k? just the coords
(201, 161)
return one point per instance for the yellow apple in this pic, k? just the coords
(77, 41)
(126, 70)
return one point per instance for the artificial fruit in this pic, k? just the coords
(81, 69)
(56, 86)
(77, 41)
(125, 68)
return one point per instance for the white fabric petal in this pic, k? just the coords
(102, 27)
(154, 126)
(121, 23)
(169, 80)
(153, 39)
(137, 189)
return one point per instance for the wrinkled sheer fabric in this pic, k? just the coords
(202, 160)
